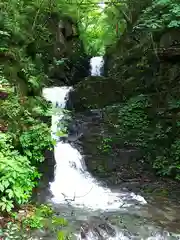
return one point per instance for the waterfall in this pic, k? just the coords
(72, 183)
(97, 64)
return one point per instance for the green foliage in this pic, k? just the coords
(45, 210)
(35, 218)
(33, 222)
(13, 231)
(34, 141)
(98, 26)
(22, 113)
(169, 163)
(148, 74)
(130, 121)
(28, 44)
(20, 76)
(22, 224)
(58, 221)
(29, 41)
(134, 120)
(22, 148)
(63, 236)
(105, 145)
(157, 140)
(27, 23)
(17, 177)
(43, 217)
(162, 14)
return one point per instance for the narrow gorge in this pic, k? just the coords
(89, 101)
(95, 211)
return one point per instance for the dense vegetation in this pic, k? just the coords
(43, 41)
(142, 71)
(98, 27)
(147, 68)
(21, 106)
(39, 43)
(39, 46)
(142, 54)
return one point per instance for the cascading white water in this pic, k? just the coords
(71, 183)
(96, 65)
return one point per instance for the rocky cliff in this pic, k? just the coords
(139, 96)
(68, 63)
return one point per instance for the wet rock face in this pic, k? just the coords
(97, 228)
(107, 160)
(74, 69)
(46, 168)
(94, 92)
(65, 60)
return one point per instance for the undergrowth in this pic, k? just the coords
(23, 224)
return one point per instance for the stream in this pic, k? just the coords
(95, 211)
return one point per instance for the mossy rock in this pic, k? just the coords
(95, 92)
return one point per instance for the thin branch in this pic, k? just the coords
(73, 199)
(123, 13)
(37, 13)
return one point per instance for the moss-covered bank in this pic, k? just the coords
(142, 78)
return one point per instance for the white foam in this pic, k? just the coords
(73, 184)
(96, 65)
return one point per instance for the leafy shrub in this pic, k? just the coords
(46, 210)
(169, 163)
(58, 221)
(35, 219)
(156, 137)
(162, 14)
(17, 176)
(30, 218)
(105, 145)
(133, 123)
(33, 222)
(34, 141)
(13, 231)
(63, 235)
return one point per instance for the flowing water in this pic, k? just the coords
(94, 210)
(97, 64)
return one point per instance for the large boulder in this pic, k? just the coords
(97, 228)
(95, 92)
